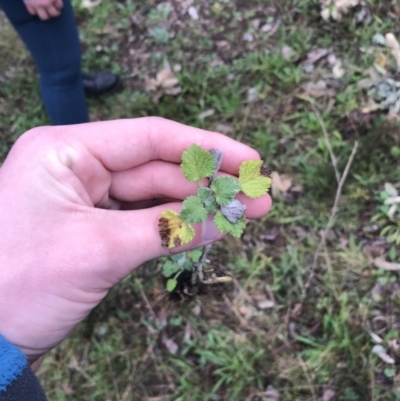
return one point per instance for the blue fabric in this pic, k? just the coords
(55, 48)
(12, 363)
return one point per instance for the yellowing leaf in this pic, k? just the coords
(254, 180)
(173, 230)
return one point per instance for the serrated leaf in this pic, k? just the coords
(225, 189)
(169, 268)
(171, 284)
(197, 163)
(251, 179)
(173, 230)
(225, 226)
(193, 210)
(234, 210)
(207, 196)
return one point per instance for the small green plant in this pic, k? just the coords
(214, 196)
(174, 266)
(388, 216)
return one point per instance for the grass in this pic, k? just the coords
(138, 344)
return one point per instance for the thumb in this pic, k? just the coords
(134, 237)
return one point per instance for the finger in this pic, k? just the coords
(123, 144)
(58, 4)
(42, 13)
(165, 180)
(53, 11)
(30, 8)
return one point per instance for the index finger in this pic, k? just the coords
(123, 144)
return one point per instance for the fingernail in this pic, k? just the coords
(209, 231)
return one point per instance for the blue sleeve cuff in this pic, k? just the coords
(12, 363)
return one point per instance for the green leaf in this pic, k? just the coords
(197, 163)
(196, 254)
(193, 210)
(252, 182)
(179, 258)
(207, 196)
(225, 226)
(169, 268)
(225, 189)
(188, 265)
(171, 284)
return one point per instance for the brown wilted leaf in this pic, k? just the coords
(164, 83)
(374, 251)
(281, 182)
(166, 79)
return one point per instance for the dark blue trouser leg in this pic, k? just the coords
(55, 47)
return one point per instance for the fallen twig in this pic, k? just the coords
(335, 208)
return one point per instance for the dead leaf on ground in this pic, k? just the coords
(328, 395)
(382, 353)
(164, 83)
(394, 46)
(338, 70)
(271, 28)
(318, 89)
(266, 304)
(88, 4)
(373, 251)
(394, 345)
(336, 8)
(280, 182)
(246, 311)
(287, 52)
(171, 345)
(192, 11)
(371, 107)
(315, 55)
(383, 264)
(205, 114)
(391, 190)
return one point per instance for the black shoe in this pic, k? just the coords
(99, 83)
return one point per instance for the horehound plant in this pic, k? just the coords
(215, 195)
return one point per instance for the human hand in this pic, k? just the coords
(44, 9)
(77, 215)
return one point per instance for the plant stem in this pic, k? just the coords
(198, 272)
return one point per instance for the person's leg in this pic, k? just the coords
(55, 47)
